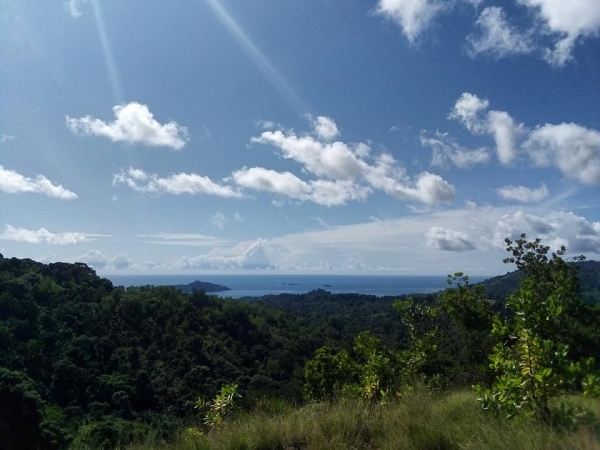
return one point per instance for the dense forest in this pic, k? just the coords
(85, 364)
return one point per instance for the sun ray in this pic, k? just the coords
(258, 57)
(109, 59)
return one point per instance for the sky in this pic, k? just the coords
(301, 136)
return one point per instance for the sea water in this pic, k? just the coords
(259, 285)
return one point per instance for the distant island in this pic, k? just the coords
(200, 286)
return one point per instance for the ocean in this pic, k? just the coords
(259, 285)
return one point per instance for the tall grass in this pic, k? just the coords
(416, 422)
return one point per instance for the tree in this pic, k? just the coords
(20, 412)
(471, 315)
(531, 360)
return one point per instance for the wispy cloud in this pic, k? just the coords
(43, 236)
(497, 38)
(523, 194)
(218, 219)
(184, 239)
(74, 7)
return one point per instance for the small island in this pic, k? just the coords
(200, 286)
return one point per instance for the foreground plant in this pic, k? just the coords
(532, 365)
(218, 408)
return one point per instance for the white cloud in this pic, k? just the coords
(506, 135)
(122, 262)
(42, 236)
(251, 256)
(523, 194)
(404, 244)
(429, 189)
(413, 16)
(446, 150)
(218, 220)
(471, 111)
(468, 109)
(7, 138)
(74, 7)
(176, 184)
(322, 192)
(99, 261)
(448, 240)
(574, 149)
(346, 165)
(555, 228)
(237, 216)
(12, 182)
(49, 257)
(133, 124)
(497, 38)
(332, 160)
(184, 239)
(569, 21)
(326, 128)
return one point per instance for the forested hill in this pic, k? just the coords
(498, 288)
(82, 360)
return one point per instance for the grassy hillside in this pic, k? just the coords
(419, 421)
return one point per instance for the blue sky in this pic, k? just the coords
(383, 136)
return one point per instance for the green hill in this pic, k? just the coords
(498, 288)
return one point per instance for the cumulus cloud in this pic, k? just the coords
(556, 228)
(12, 182)
(446, 150)
(346, 166)
(569, 22)
(99, 261)
(448, 240)
(497, 38)
(176, 184)
(326, 128)
(506, 134)
(429, 188)
(322, 192)
(413, 16)
(133, 124)
(253, 256)
(523, 194)
(471, 111)
(332, 160)
(574, 149)
(43, 236)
